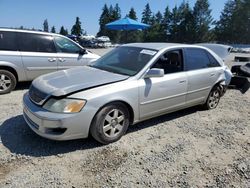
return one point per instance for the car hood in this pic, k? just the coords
(71, 80)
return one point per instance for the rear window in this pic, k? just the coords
(8, 41)
(29, 42)
(196, 59)
(213, 61)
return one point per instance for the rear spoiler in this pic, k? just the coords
(221, 50)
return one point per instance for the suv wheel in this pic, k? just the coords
(213, 98)
(110, 123)
(7, 81)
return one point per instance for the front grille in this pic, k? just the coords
(36, 95)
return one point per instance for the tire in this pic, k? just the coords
(110, 123)
(7, 82)
(213, 98)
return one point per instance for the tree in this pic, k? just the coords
(103, 20)
(147, 19)
(53, 29)
(174, 25)
(63, 31)
(132, 14)
(146, 15)
(115, 14)
(223, 29)
(77, 29)
(46, 25)
(234, 23)
(166, 23)
(203, 21)
(186, 26)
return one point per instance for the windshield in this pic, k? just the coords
(125, 60)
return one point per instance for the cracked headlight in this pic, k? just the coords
(65, 105)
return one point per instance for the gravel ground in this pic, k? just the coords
(189, 148)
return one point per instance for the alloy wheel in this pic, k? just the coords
(213, 99)
(113, 123)
(5, 82)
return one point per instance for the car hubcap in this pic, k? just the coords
(113, 123)
(214, 99)
(5, 82)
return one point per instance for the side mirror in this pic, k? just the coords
(82, 51)
(154, 72)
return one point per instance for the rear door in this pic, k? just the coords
(68, 54)
(38, 54)
(201, 74)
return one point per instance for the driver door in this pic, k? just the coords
(68, 54)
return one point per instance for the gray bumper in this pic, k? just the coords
(56, 126)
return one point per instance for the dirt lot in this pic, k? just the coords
(190, 148)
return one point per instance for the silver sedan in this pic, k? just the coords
(130, 84)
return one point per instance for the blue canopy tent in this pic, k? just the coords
(126, 24)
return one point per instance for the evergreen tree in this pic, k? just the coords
(224, 26)
(158, 17)
(115, 14)
(147, 18)
(166, 23)
(63, 31)
(234, 23)
(203, 21)
(46, 26)
(174, 25)
(147, 15)
(132, 14)
(103, 20)
(77, 28)
(187, 25)
(53, 29)
(109, 15)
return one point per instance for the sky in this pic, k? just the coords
(32, 13)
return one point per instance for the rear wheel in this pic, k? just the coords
(213, 98)
(7, 81)
(110, 123)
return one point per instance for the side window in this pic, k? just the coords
(29, 42)
(196, 59)
(65, 45)
(213, 61)
(171, 62)
(8, 41)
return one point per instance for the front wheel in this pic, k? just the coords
(7, 81)
(110, 123)
(213, 98)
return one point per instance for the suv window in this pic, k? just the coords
(196, 59)
(8, 41)
(65, 45)
(29, 42)
(171, 62)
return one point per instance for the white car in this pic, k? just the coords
(25, 55)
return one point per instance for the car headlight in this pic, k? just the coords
(65, 105)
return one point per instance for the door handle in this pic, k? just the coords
(62, 59)
(182, 81)
(212, 74)
(51, 59)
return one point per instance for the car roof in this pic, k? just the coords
(157, 46)
(27, 31)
